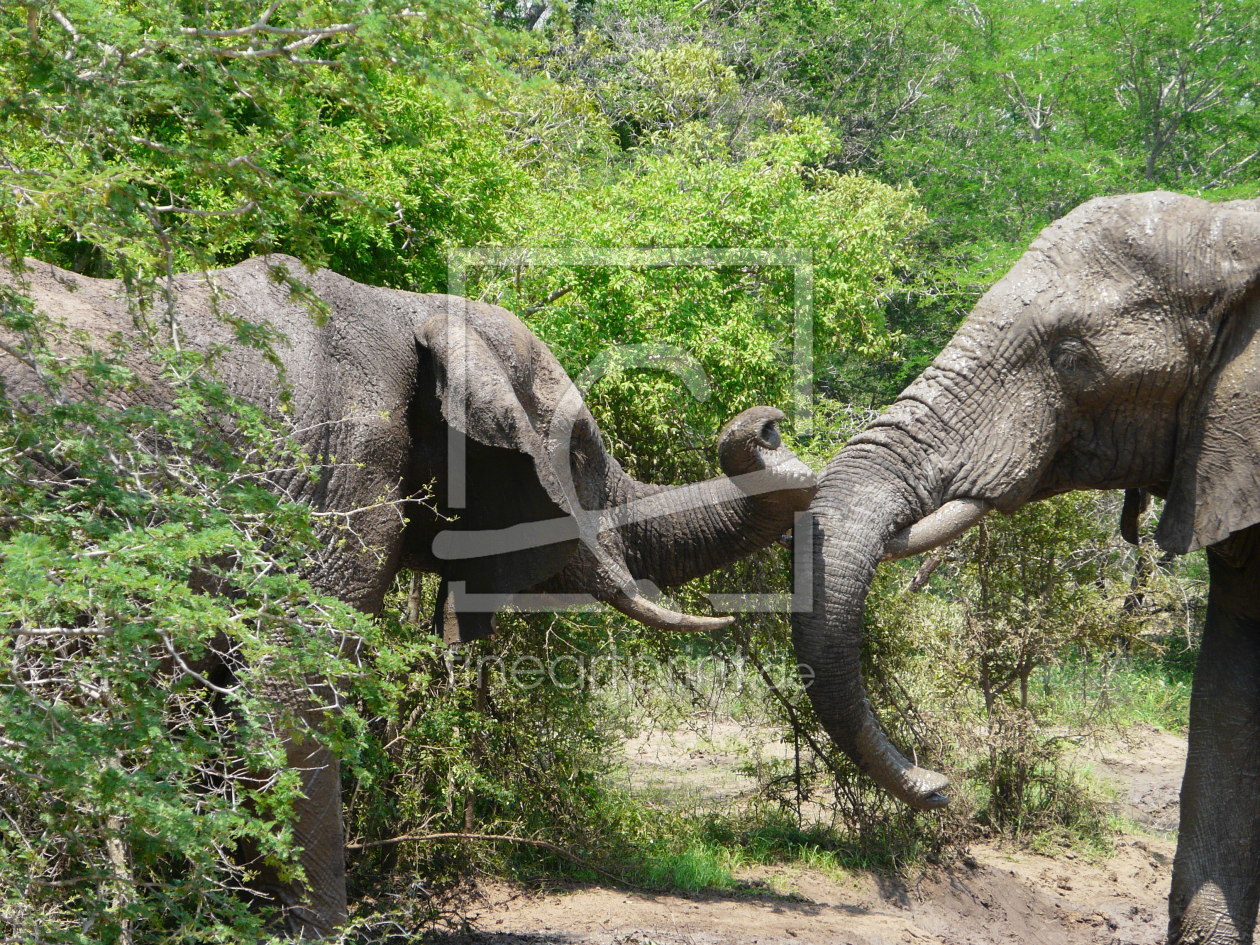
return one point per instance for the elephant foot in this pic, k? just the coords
(1207, 920)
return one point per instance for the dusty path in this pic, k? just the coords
(999, 898)
(995, 896)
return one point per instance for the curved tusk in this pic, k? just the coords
(945, 524)
(654, 615)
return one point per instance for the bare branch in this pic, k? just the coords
(247, 207)
(307, 34)
(55, 632)
(183, 664)
(62, 21)
(557, 294)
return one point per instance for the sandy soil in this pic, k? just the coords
(1144, 767)
(993, 896)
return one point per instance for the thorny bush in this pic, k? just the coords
(153, 638)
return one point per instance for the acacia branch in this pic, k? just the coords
(305, 37)
(247, 207)
(19, 356)
(56, 632)
(183, 664)
(306, 34)
(63, 21)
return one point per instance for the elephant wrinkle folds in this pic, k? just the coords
(1121, 351)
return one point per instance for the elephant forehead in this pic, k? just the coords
(1046, 293)
(1033, 288)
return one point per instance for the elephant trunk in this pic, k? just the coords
(861, 509)
(669, 535)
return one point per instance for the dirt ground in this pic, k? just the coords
(993, 896)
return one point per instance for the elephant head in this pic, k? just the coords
(546, 509)
(1121, 351)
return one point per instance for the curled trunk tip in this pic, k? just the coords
(752, 455)
(745, 436)
(921, 788)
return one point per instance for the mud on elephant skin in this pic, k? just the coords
(1121, 351)
(393, 389)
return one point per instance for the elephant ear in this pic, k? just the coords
(1215, 486)
(490, 389)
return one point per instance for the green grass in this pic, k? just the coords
(1093, 846)
(695, 866)
(767, 836)
(1150, 684)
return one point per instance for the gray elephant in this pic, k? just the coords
(395, 391)
(1121, 351)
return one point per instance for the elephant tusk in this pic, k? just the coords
(654, 615)
(945, 524)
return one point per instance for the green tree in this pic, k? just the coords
(853, 235)
(1183, 76)
(143, 140)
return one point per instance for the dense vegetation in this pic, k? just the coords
(878, 163)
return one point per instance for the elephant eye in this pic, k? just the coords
(1070, 355)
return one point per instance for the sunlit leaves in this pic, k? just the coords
(156, 641)
(846, 237)
(144, 139)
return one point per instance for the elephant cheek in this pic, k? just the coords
(1011, 449)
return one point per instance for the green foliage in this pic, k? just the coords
(155, 644)
(1002, 115)
(1044, 105)
(1147, 684)
(1032, 585)
(738, 318)
(701, 866)
(898, 153)
(146, 139)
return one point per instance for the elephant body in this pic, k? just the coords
(389, 392)
(1121, 351)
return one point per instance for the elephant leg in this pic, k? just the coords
(1216, 872)
(316, 908)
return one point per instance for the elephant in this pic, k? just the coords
(448, 439)
(1120, 351)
